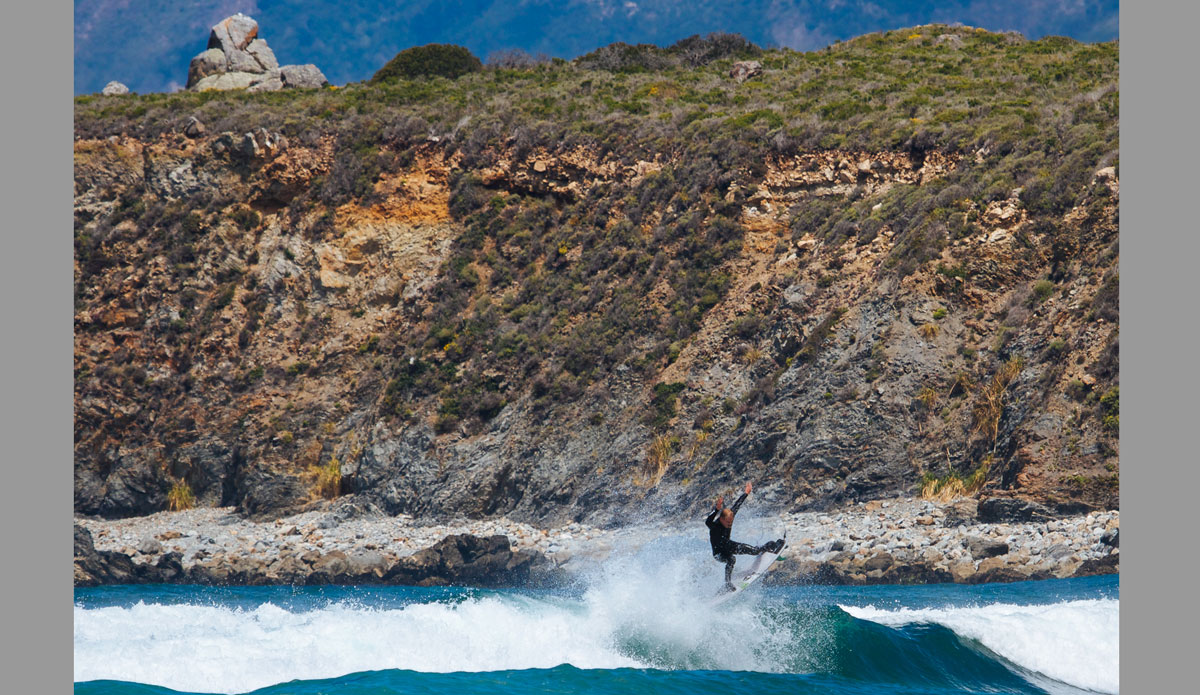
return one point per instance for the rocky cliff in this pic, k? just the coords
(566, 293)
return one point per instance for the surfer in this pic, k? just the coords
(719, 523)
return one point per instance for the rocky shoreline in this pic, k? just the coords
(896, 541)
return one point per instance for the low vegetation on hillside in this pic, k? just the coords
(545, 293)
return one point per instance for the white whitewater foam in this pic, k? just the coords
(216, 649)
(1075, 642)
(642, 610)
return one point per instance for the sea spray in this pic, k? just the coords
(652, 601)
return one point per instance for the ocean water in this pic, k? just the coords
(638, 624)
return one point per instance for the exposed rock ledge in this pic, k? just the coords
(897, 541)
(457, 559)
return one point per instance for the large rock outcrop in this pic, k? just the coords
(745, 69)
(460, 559)
(236, 58)
(114, 88)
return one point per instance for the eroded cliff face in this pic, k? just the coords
(235, 335)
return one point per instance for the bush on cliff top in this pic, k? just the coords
(432, 60)
(693, 51)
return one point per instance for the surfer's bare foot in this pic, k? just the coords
(730, 587)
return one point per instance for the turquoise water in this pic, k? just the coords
(619, 631)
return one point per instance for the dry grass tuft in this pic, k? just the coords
(989, 405)
(180, 497)
(928, 398)
(328, 479)
(658, 459)
(952, 485)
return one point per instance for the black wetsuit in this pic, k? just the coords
(723, 548)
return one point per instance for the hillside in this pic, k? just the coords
(622, 284)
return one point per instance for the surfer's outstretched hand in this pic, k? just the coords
(747, 487)
(720, 502)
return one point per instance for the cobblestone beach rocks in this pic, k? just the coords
(898, 541)
(913, 541)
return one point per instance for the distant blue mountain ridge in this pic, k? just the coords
(147, 45)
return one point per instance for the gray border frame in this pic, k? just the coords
(1158, 63)
(1158, 311)
(38, 347)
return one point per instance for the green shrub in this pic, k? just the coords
(957, 271)
(225, 297)
(432, 60)
(696, 50)
(625, 58)
(1005, 337)
(1107, 302)
(251, 376)
(245, 218)
(191, 225)
(1111, 401)
(662, 405)
(939, 313)
(489, 406)
(1042, 289)
(748, 327)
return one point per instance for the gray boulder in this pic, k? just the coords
(194, 128)
(236, 58)
(226, 80)
(981, 548)
(745, 69)
(233, 34)
(306, 76)
(470, 560)
(209, 63)
(950, 40)
(114, 88)
(270, 82)
(1006, 510)
(263, 56)
(84, 546)
(149, 546)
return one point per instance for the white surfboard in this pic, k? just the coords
(744, 578)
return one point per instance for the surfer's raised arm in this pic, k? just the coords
(741, 499)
